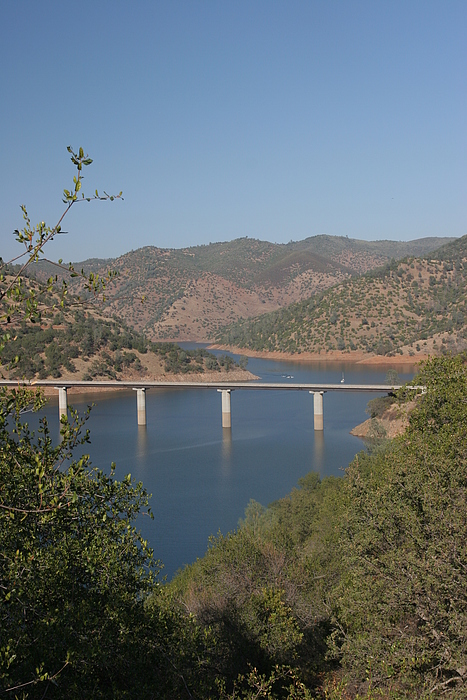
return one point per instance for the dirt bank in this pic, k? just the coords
(393, 422)
(352, 357)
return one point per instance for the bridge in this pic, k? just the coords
(225, 388)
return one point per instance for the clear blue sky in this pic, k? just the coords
(274, 120)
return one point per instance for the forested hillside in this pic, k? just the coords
(347, 588)
(409, 306)
(64, 338)
(188, 294)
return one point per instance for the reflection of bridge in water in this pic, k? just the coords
(225, 388)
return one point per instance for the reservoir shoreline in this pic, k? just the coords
(333, 356)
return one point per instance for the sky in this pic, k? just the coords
(271, 119)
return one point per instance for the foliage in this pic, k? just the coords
(73, 568)
(262, 590)
(401, 607)
(378, 406)
(18, 298)
(282, 682)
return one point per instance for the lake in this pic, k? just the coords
(202, 477)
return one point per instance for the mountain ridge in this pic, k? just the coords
(189, 294)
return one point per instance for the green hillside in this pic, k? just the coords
(391, 310)
(85, 347)
(358, 584)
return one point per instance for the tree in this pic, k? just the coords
(73, 568)
(76, 619)
(401, 605)
(82, 613)
(75, 574)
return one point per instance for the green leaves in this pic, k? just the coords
(23, 301)
(72, 566)
(403, 601)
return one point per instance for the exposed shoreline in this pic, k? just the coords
(234, 375)
(351, 357)
(390, 424)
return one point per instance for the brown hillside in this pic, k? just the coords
(210, 302)
(190, 293)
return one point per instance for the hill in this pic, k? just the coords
(73, 341)
(416, 305)
(190, 293)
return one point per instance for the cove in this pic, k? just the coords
(202, 477)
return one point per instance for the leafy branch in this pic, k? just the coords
(18, 297)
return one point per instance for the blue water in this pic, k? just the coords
(202, 477)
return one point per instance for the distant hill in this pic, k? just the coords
(191, 293)
(406, 307)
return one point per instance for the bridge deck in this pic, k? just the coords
(104, 384)
(318, 390)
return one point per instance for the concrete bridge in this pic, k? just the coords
(225, 388)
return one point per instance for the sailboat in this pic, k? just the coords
(343, 378)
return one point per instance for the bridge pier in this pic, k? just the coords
(318, 417)
(62, 402)
(140, 405)
(226, 414)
